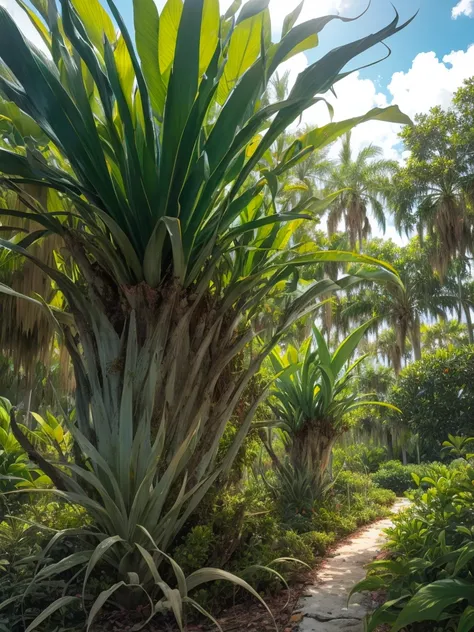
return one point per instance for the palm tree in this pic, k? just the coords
(388, 346)
(440, 211)
(432, 193)
(364, 179)
(403, 309)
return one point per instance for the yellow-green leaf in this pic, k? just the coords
(244, 50)
(96, 21)
(125, 70)
(209, 33)
(252, 146)
(322, 136)
(292, 355)
(147, 28)
(37, 23)
(169, 24)
(310, 42)
(58, 434)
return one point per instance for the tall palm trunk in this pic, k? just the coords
(470, 332)
(415, 337)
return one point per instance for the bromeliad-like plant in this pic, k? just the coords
(171, 240)
(312, 397)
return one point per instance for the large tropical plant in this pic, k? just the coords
(169, 244)
(312, 397)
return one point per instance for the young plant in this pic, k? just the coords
(312, 397)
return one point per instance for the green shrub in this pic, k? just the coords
(359, 458)
(429, 577)
(395, 477)
(319, 541)
(337, 519)
(352, 482)
(22, 537)
(401, 478)
(383, 497)
(366, 515)
(195, 550)
(436, 398)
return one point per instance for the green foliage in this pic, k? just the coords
(435, 397)
(312, 399)
(319, 541)
(15, 468)
(433, 191)
(314, 383)
(359, 457)
(429, 576)
(395, 476)
(458, 447)
(25, 529)
(196, 548)
(353, 482)
(384, 497)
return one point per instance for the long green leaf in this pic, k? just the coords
(101, 601)
(62, 602)
(431, 600)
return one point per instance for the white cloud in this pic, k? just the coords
(463, 7)
(431, 81)
(427, 83)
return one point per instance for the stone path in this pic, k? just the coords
(324, 606)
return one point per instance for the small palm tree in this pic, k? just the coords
(312, 397)
(364, 179)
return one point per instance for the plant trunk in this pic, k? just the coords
(389, 444)
(470, 332)
(404, 456)
(415, 337)
(269, 448)
(312, 446)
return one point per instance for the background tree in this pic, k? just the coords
(402, 309)
(436, 399)
(363, 179)
(433, 192)
(442, 334)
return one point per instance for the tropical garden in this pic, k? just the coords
(210, 371)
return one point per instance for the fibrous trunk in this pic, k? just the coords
(312, 446)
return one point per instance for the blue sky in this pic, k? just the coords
(433, 29)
